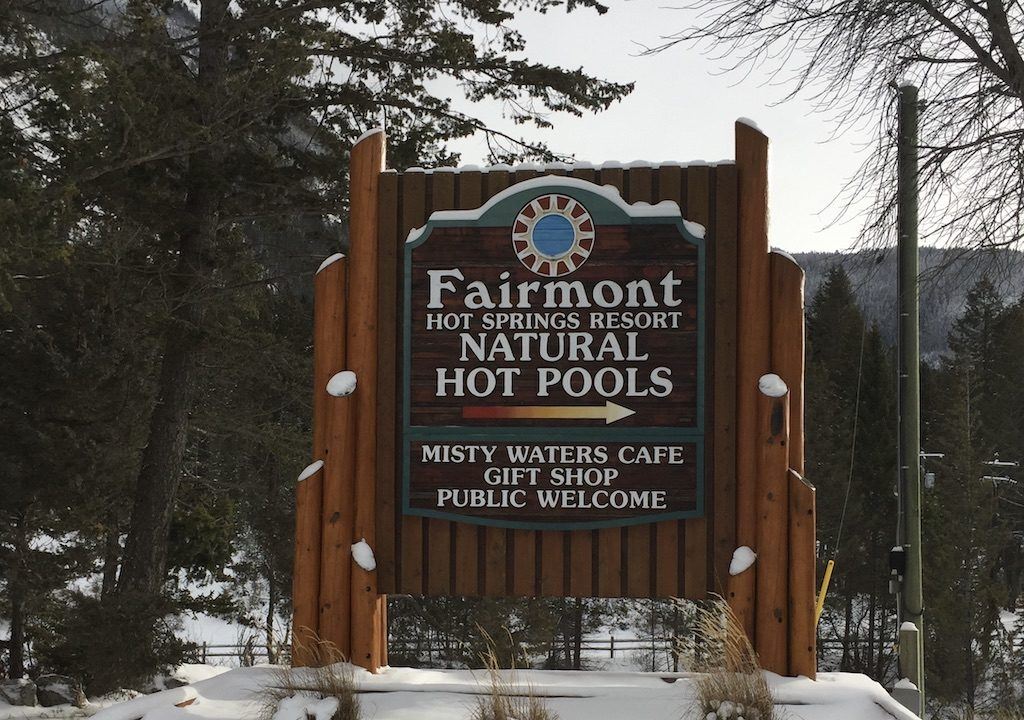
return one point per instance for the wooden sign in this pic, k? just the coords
(553, 361)
(557, 395)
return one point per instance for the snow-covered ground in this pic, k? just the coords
(408, 694)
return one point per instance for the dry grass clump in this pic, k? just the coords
(731, 685)
(506, 699)
(330, 676)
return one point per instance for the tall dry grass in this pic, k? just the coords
(329, 676)
(729, 684)
(506, 698)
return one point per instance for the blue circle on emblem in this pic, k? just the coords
(553, 236)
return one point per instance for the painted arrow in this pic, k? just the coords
(609, 412)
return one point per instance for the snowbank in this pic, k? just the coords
(404, 694)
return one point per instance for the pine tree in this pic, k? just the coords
(965, 534)
(193, 154)
(851, 458)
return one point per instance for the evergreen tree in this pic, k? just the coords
(966, 536)
(851, 458)
(204, 156)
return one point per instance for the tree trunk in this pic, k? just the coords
(869, 661)
(16, 593)
(844, 663)
(272, 592)
(145, 553)
(111, 558)
(272, 600)
(577, 634)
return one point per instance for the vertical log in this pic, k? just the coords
(803, 655)
(367, 615)
(724, 491)
(328, 358)
(772, 606)
(439, 538)
(415, 211)
(522, 579)
(669, 576)
(496, 541)
(331, 434)
(753, 348)
(388, 289)
(787, 284)
(469, 574)
(788, 362)
(611, 573)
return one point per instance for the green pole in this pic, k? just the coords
(912, 604)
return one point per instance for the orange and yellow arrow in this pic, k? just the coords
(609, 412)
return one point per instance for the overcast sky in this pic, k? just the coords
(683, 108)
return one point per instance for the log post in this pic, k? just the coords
(803, 626)
(328, 358)
(330, 339)
(787, 283)
(753, 349)
(787, 288)
(367, 614)
(771, 637)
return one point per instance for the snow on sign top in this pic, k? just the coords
(559, 165)
(663, 209)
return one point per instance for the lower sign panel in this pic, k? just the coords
(546, 484)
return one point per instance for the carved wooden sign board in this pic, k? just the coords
(553, 361)
(557, 373)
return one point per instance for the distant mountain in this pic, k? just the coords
(946, 276)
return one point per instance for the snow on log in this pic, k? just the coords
(342, 384)
(368, 133)
(749, 123)
(772, 385)
(329, 261)
(312, 469)
(742, 558)
(362, 553)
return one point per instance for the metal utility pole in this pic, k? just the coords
(911, 596)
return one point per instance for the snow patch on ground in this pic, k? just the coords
(420, 694)
(305, 705)
(742, 558)
(1010, 620)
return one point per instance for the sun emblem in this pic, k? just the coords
(553, 235)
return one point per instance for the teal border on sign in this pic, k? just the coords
(501, 211)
